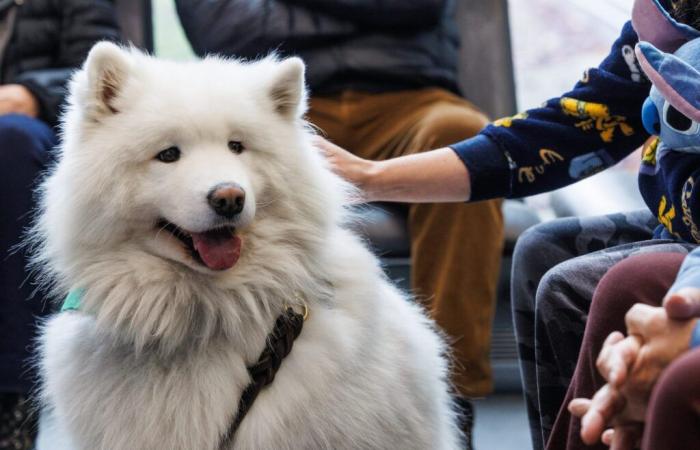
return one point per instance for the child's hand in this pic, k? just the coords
(356, 170)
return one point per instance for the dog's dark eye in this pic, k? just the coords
(169, 155)
(236, 147)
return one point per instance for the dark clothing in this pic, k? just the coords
(51, 38)
(639, 279)
(667, 180)
(571, 137)
(672, 420)
(363, 45)
(556, 268)
(585, 131)
(25, 144)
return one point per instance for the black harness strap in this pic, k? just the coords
(279, 343)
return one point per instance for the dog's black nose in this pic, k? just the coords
(227, 199)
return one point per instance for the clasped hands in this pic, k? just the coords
(631, 366)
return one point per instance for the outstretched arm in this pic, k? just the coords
(569, 138)
(430, 177)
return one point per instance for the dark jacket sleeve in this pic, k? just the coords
(250, 28)
(382, 13)
(83, 23)
(586, 130)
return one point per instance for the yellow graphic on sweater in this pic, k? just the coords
(649, 152)
(530, 173)
(666, 216)
(596, 116)
(687, 215)
(508, 121)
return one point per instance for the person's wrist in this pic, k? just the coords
(370, 183)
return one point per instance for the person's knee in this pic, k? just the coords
(613, 296)
(528, 251)
(528, 266)
(451, 123)
(641, 278)
(558, 301)
(22, 138)
(528, 241)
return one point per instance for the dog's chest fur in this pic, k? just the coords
(329, 387)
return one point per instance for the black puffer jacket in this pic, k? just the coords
(372, 45)
(50, 39)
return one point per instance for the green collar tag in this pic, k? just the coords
(72, 301)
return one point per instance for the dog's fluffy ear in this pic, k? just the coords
(107, 68)
(288, 91)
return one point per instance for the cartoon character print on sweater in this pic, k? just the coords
(508, 121)
(589, 164)
(529, 174)
(688, 221)
(596, 116)
(630, 58)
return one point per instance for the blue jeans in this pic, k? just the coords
(25, 150)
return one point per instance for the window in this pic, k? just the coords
(554, 41)
(169, 38)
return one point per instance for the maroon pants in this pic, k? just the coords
(673, 419)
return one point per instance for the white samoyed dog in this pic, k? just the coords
(190, 209)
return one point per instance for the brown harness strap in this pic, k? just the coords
(279, 343)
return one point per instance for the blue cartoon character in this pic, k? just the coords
(672, 112)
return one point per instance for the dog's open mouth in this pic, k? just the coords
(218, 249)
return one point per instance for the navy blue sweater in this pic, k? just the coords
(586, 130)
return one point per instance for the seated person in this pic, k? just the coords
(556, 265)
(41, 43)
(383, 78)
(644, 385)
(673, 113)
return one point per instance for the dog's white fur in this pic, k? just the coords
(156, 357)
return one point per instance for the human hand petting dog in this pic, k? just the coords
(632, 365)
(348, 166)
(435, 176)
(17, 99)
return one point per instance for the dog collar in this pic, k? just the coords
(72, 300)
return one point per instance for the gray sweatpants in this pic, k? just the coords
(556, 268)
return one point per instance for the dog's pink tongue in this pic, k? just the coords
(219, 249)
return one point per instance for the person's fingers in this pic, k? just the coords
(605, 403)
(622, 359)
(612, 339)
(579, 406)
(639, 318)
(607, 437)
(626, 437)
(326, 147)
(683, 304)
(615, 363)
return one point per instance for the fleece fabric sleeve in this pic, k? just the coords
(569, 138)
